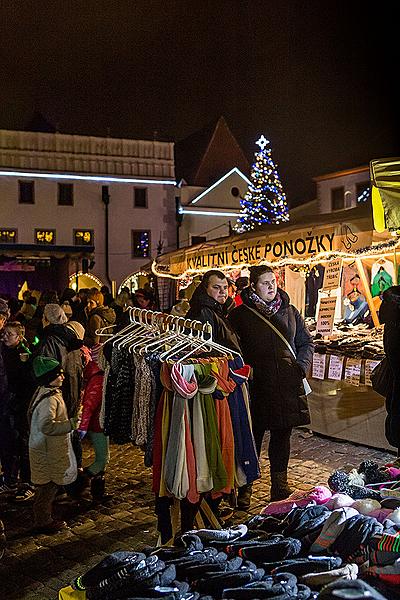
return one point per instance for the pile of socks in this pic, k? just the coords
(286, 558)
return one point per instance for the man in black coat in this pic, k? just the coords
(389, 314)
(210, 303)
(277, 395)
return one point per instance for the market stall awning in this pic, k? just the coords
(385, 179)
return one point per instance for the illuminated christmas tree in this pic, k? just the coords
(265, 202)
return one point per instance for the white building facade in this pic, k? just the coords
(109, 200)
(342, 189)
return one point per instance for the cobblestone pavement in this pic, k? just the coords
(38, 566)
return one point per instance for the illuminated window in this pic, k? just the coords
(363, 191)
(141, 244)
(8, 236)
(83, 237)
(45, 237)
(65, 194)
(337, 198)
(140, 197)
(26, 192)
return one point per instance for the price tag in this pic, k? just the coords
(332, 274)
(318, 366)
(335, 367)
(353, 371)
(326, 315)
(369, 367)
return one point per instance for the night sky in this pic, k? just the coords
(318, 78)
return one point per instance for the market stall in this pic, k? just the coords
(305, 255)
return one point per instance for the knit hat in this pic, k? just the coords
(55, 314)
(4, 310)
(77, 328)
(46, 369)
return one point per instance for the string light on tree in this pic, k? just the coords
(265, 201)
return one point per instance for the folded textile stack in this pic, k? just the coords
(308, 553)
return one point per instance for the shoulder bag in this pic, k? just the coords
(307, 387)
(382, 378)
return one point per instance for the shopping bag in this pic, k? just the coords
(68, 593)
(382, 378)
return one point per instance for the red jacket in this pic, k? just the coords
(92, 395)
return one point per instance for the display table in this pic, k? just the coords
(348, 412)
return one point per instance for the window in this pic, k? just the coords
(83, 237)
(198, 239)
(141, 244)
(8, 236)
(363, 191)
(140, 197)
(26, 192)
(65, 194)
(337, 198)
(45, 237)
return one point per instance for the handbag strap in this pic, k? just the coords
(273, 328)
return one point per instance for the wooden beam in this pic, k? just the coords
(368, 296)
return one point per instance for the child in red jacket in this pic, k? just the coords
(90, 426)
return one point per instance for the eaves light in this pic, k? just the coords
(96, 178)
(208, 213)
(234, 170)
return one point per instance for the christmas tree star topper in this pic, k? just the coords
(262, 142)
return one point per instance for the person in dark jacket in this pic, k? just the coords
(21, 387)
(209, 304)
(389, 315)
(277, 395)
(98, 316)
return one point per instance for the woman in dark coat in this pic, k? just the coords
(278, 400)
(210, 302)
(389, 314)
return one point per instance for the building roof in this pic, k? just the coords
(204, 156)
(343, 173)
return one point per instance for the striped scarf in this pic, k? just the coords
(266, 308)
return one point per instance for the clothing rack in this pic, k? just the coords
(163, 321)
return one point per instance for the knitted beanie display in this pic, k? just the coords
(395, 516)
(366, 506)
(339, 482)
(338, 501)
(372, 472)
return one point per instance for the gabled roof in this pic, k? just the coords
(206, 155)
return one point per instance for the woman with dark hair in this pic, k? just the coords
(209, 304)
(278, 398)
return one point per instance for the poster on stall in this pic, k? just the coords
(353, 371)
(369, 367)
(332, 273)
(335, 367)
(326, 314)
(318, 366)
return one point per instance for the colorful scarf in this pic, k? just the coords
(266, 308)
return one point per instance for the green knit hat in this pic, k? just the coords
(46, 369)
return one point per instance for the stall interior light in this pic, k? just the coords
(208, 213)
(98, 178)
(234, 170)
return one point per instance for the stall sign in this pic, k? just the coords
(352, 372)
(369, 367)
(335, 367)
(333, 270)
(326, 315)
(318, 366)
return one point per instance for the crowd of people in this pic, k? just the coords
(51, 384)
(51, 391)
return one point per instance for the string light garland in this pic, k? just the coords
(265, 201)
(373, 251)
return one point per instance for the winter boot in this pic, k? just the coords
(76, 490)
(97, 488)
(279, 486)
(244, 497)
